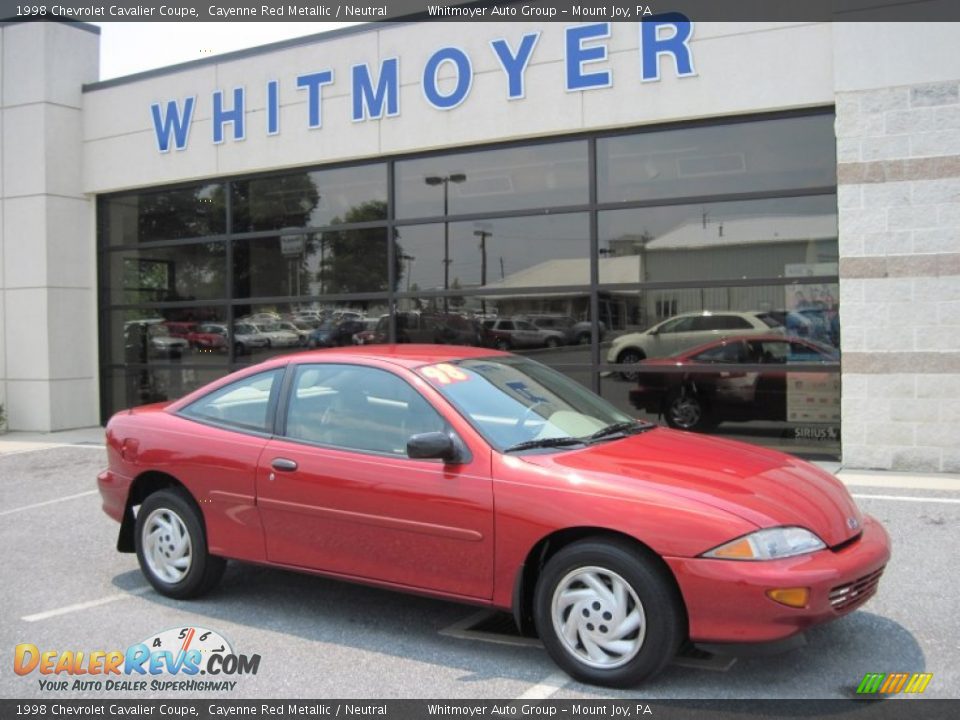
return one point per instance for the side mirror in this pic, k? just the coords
(431, 446)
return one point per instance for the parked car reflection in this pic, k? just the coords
(700, 398)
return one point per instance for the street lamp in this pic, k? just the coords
(434, 180)
(483, 233)
(409, 260)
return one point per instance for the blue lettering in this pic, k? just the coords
(578, 56)
(134, 659)
(652, 45)
(174, 121)
(368, 104)
(313, 82)
(234, 116)
(464, 78)
(273, 107)
(515, 64)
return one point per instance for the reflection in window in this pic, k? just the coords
(494, 180)
(317, 263)
(183, 272)
(131, 387)
(173, 335)
(785, 237)
(310, 199)
(243, 404)
(196, 211)
(764, 155)
(496, 254)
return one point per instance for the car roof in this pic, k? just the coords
(409, 355)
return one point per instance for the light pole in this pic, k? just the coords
(434, 180)
(483, 233)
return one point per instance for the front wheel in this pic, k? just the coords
(607, 614)
(630, 356)
(172, 546)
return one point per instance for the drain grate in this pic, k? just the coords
(499, 627)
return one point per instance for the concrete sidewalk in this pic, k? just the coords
(15, 442)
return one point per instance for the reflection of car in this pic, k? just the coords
(474, 475)
(332, 333)
(574, 333)
(681, 332)
(517, 333)
(197, 336)
(144, 339)
(369, 333)
(246, 337)
(431, 328)
(301, 329)
(700, 397)
(277, 336)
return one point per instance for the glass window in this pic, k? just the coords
(310, 199)
(358, 408)
(172, 335)
(732, 352)
(495, 254)
(195, 211)
(493, 180)
(129, 387)
(782, 154)
(164, 274)
(318, 263)
(783, 237)
(244, 404)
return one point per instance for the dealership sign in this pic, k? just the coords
(375, 91)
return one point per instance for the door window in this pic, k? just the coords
(357, 408)
(244, 404)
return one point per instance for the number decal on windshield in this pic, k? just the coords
(444, 374)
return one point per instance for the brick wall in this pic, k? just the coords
(899, 195)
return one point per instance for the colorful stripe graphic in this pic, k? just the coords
(893, 683)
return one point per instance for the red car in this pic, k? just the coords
(488, 478)
(692, 395)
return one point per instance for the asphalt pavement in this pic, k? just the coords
(64, 587)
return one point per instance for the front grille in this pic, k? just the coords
(849, 596)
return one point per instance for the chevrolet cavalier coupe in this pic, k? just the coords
(487, 478)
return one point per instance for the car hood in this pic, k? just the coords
(764, 487)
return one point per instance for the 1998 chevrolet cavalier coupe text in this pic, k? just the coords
(480, 476)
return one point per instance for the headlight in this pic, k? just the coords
(769, 544)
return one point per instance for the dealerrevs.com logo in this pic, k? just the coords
(171, 661)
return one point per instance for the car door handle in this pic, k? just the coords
(283, 464)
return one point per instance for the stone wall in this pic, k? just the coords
(899, 195)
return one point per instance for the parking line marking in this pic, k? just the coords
(84, 605)
(546, 687)
(909, 498)
(48, 502)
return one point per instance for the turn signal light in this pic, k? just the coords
(791, 597)
(739, 550)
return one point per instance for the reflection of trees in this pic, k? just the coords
(356, 260)
(174, 273)
(175, 214)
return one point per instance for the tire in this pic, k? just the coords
(552, 342)
(583, 339)
(239, 349)
(633, 592)
(684, 410)
(502, 344)
(182, 569)
(630, 356)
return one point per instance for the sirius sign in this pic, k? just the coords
(375, 92)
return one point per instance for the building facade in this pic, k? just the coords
(777, 204)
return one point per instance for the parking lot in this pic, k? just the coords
(66, 588)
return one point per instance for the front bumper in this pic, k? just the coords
(727, 602)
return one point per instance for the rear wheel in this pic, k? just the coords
(607, 614)
(552, 342)
(686, 411)
(172, 546)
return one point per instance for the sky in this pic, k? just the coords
(129, 47)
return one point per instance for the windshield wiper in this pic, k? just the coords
(544, 443)
(621, 428)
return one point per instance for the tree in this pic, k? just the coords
(356, 260)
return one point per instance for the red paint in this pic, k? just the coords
(465, 531)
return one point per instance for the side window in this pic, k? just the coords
(732, 322)
(505, 325)
(357, 408)
(243, 404)
(684, 324)
(729, 353)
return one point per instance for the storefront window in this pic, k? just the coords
(166, 274)
(310, 199)
(494, 180)
(192, 212)
(762, 156)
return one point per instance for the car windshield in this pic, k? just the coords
(513, 401)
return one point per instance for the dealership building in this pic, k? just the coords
(566, 184)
